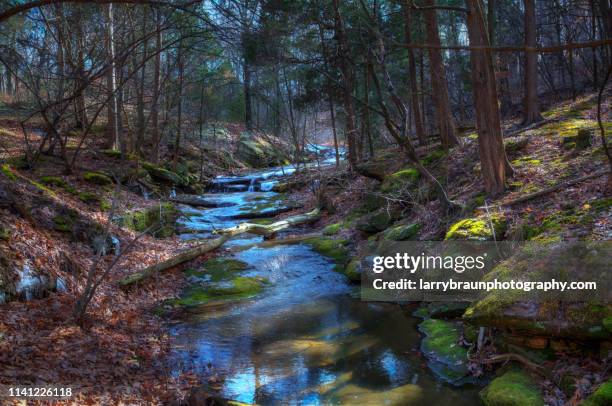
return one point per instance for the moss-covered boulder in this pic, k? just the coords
(513, 388)
(236, 288)
(159, 220)
(257, 152)
(353, 270)
(398, 181)
(97, 178)
(218, 269)
(377, 221)
(478, 229)
(543, 314)
(162, 174)
(441, 345)
(402, 233)
(601, 397)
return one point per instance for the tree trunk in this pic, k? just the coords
(112, 126)
(412, 75)
(179, 114)
(348, 84)
(246, 82)
(532, 104)
(491, 146)
(155, 135)
(446, 124)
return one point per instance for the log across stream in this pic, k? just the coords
(305, 338)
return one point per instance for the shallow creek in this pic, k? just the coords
(305, 339)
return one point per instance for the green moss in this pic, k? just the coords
(403, 232)
(601, 397)
(97, 178)
(159, 220)
(63, 223)
(526, 161)
(8, 172)
(89, 197)
(353, 270)
(5, 233)
(334, 249)
(398, 180)
(332, 229)
(433, 156)
(513, 388)
(53, 181)
(263, 221)
(240, 287)
(441, 346)
(218, 269)
(378, 221)
(442, 338)
(162, 174)
(477, 229)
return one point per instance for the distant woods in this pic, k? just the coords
(143, 77)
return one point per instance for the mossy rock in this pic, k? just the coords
(447, 358)
(377, 221)
(538, 313)
(332, 229)
(513, 388)
(256, 152)
(403, 232)
(97, 178)
(237, 288)
(162, 174)
(477, 229)
(53, 181)
(601, 397)
(353, 270)
(218, 269)
(335, 249)
(159, 220)
(398, 181)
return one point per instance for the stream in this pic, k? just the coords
(307, 338)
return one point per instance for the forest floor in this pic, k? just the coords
(119, 354)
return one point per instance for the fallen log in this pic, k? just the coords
(270, 229)
(554, 188)
(211, 245)
(183, 256)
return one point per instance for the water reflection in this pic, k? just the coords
(305, 341)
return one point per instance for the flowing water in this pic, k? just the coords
(305, 339)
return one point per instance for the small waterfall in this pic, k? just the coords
(267, 186)
(252, 185)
